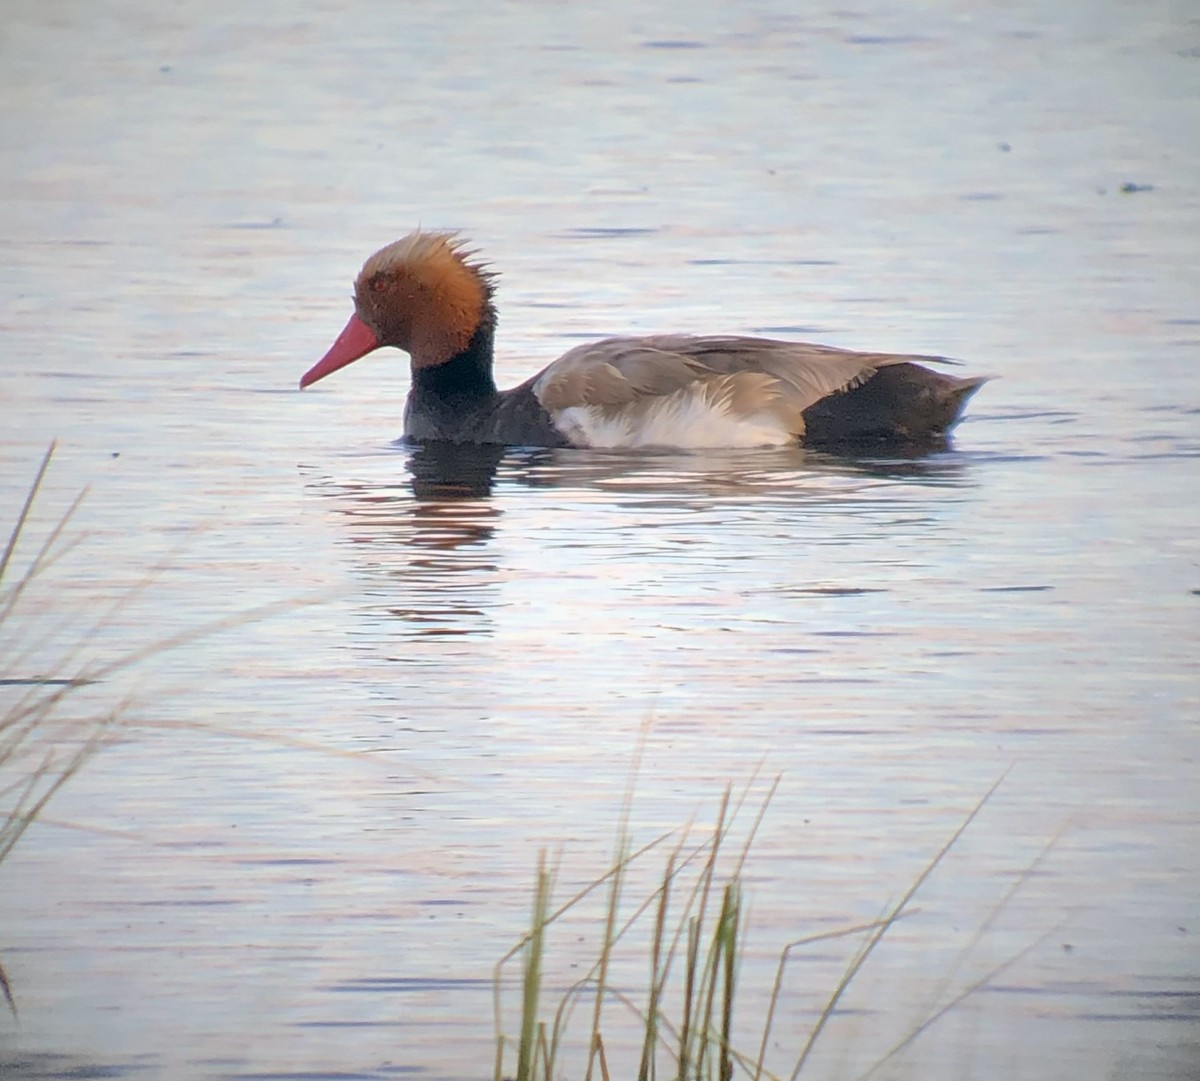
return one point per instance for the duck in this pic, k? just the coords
(429, 295)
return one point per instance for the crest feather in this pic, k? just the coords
(432, 259)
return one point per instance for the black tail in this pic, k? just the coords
(901, 403)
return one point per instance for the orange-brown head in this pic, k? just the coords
(421, 294)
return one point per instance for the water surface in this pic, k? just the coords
(321, 831)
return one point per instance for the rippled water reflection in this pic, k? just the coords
(321, 833)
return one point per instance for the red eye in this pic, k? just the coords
(379, 285)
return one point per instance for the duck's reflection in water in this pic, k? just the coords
(423, 542)
(453, 471)
(423, 533)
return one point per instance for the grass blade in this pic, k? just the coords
(856, 965)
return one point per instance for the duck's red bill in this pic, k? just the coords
(357, 340)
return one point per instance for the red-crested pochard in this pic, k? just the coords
(425, 295)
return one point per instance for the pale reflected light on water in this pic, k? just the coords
(321, 831)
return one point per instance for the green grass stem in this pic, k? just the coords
(702, 925)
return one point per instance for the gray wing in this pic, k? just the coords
(745, 375)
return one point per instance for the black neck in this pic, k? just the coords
(463, 379)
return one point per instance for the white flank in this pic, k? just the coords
(685, 420)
